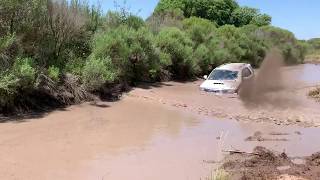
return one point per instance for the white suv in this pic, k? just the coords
(227, 78)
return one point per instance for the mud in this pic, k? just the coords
(266, 164)
(156, 131)
(259, 136)
(315, 93)
(281, 104)
(132, 139)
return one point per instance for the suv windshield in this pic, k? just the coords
(220, 74)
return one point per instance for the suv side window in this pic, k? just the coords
(246, 72)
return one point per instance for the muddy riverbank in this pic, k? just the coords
(133, 139)
(262, 163)
(156, 131)
(290, 106)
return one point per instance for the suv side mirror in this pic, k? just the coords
(205, 77)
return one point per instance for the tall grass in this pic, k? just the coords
(219, 174)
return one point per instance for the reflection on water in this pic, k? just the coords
(182, 157)
(310, 74)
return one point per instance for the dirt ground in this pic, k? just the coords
(162, 131)
(264, 164)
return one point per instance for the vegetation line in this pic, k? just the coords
(56, 53)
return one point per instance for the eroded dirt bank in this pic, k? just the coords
(262, 163)
(172, 131)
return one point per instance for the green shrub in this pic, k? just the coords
(302, 48)
(228, 44)
(143, 56)
(203, 59)
(178, 46)
(135, 22)
(232, 44)
(292, 50)
(181, 39)
(96, 72)
(123, 18)
(8, 88)
(54, 73)
(8, 51)
(25, 71)
(75, 66)
(114, 44)
(18, 79)
(132, 52)
(6, 41)
(219, 174)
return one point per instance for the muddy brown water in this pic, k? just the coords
(310, 73)
(164, 132)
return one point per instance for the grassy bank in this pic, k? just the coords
(313, 53)
(313, 58)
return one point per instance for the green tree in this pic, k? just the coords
(200, 30)
(246, 15)
(243, 16)
(261, 20)
(219, 11)
(116, 19)
(165, 18)
(165, 5)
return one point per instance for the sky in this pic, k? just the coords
(302, 17)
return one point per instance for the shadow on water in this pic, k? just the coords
(153, 85)
(100, 105)
(310, 74)
(25, 117)
(37, 104)
(43, 112)
(32, 105)
(147, 85)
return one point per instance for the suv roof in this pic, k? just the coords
(233, 66)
